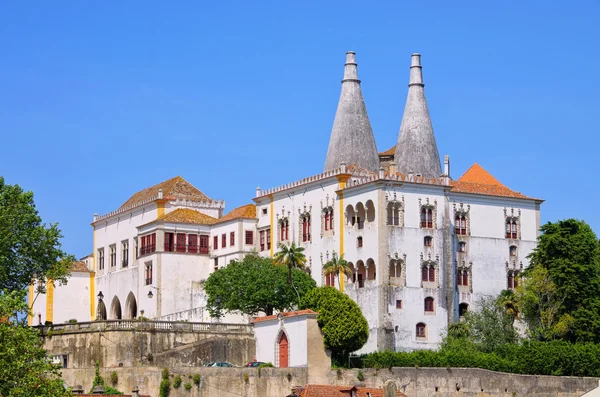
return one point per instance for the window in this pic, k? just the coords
(192, 243)
(284, 228)
(330, 279)
(135, 247)
(428, 241)
(428, 273)
(148, 273)
(426, 217)
(421, 330)
(112, 258)
(463, 308)
(216, 242)
(462, 246)
(169, 242)
(462, 277)
(249, 237)
(513, 250)
(223, 240)
(262, 240)
(124, 253)
(398, 304)
(328, 219)
(204, 244)
(216, 264)
(148, 244)
(306, 228)
(181, 242)
(513, 279)
(359, 242)
(511, 228)
(264, 211)
(460, 225)
(101, 259)
(268, 233)
(429, 304)
(231, 239)
(393, 212)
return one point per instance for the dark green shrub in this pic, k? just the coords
(177, 382)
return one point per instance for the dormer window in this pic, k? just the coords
(428, 241)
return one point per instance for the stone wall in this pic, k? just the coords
(136, 343)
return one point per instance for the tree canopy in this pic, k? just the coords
(291, 256)
(25, 370)
(560, 298)
(29, 249)
(491, 325)
(338, 266)
(255, 285)
(344, 327)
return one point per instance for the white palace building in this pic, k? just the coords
(423, 247)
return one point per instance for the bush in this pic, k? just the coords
(360, 376)
(265, 365)
(114, 378)
(177, 382)
(187, 386)
(165, 384)
(196, 379)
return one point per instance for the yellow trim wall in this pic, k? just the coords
(342, 184)
(271, 221)
(49, 300)
(160, 208)
(92, 297)
(30, 303)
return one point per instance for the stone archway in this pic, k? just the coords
(115, 309)
(131, 307)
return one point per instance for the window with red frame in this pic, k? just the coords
(204, 244)
(359, 242)
(513, 280)
(306, 228)
(462, 278)
(268, 232)
(148, 244)
(249, 237)
(216, 264)
(148, 273)
(331, 220)
(511, 229)
(429, 304)
(428, 273)
(223, 240)
(193, 243)
(462, 246)
(261, 236)
(399, 304)
(420, 330)
(231, 239)
(180, 242)
(426, 218)
(330, 280)
(428, 241)
(284, 230)
(216, 242)
(169, 242)
(460, 225)
(326, 218)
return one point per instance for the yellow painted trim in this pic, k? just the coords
(271, 222)
(160, 208)
(30, 303)
(342, 180)
(92, 297)
(49, 300)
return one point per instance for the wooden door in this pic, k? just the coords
(283, 351)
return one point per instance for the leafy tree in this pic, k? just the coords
(344, 327)
(509, 300)
(25, 370)
(338, 266)
(570, 252)
(29, 249)
(99, 381)
(254, 285)
(292, 257)
(490, 326)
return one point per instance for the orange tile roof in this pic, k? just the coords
(174, 187)
(79, 266)
(186, 215)
(341, 391)
(284, 314)
(390, 152)
(247, 211)
(478, 181)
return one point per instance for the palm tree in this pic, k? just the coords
(338, 266)
(509, 300)
(291, 256)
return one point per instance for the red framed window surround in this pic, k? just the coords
(328, 220)
(231, 239)
(192, 243)
(511, 229)
(261, 235)
(429, 304)
(148, 244)
(428, 273)
(462, 278)
(284, 231)
(460, 225)
(216, 242)
(204, 244)
(249, 237)
(426, 218)
(181, 242)
(421, 331)
(148, 273)
(223, 240)
(306, 229)
(184, 243)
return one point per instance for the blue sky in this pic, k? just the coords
(98, 101)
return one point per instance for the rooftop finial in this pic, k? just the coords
(417, 150)
(352, 139)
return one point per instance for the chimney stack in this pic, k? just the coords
(447, 165)
(258, 191)
(393, 168)
(160, 193)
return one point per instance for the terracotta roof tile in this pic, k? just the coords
(186, 215)
(478, 181)
(390, 152)
(247, 211)
(284, 314)
(174, 187)
(78, 266)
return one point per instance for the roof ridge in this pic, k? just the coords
(477, 174)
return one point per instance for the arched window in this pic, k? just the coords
(512, 279)
(284, 229)
(330, 280)
(306, 227)
(360, 215)
(511, 228)
(513, 250)
(421, 331)
(462, 277)
(428, 241)
(426, 217)
(359, 242)
(393, 210)
(361, 273)
(428, 273)
(462, 246)
(429, 304)
(460, 225)
(371, 269)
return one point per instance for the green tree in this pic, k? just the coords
(25, 369)
(292, 257)
(29, 249)
(99, 381)
(509, 300)
(490, 326)
(344, 327)
(570, 252)
(254, 285)
(338, 266)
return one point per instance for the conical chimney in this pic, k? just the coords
(352, 139)
(416, 151)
